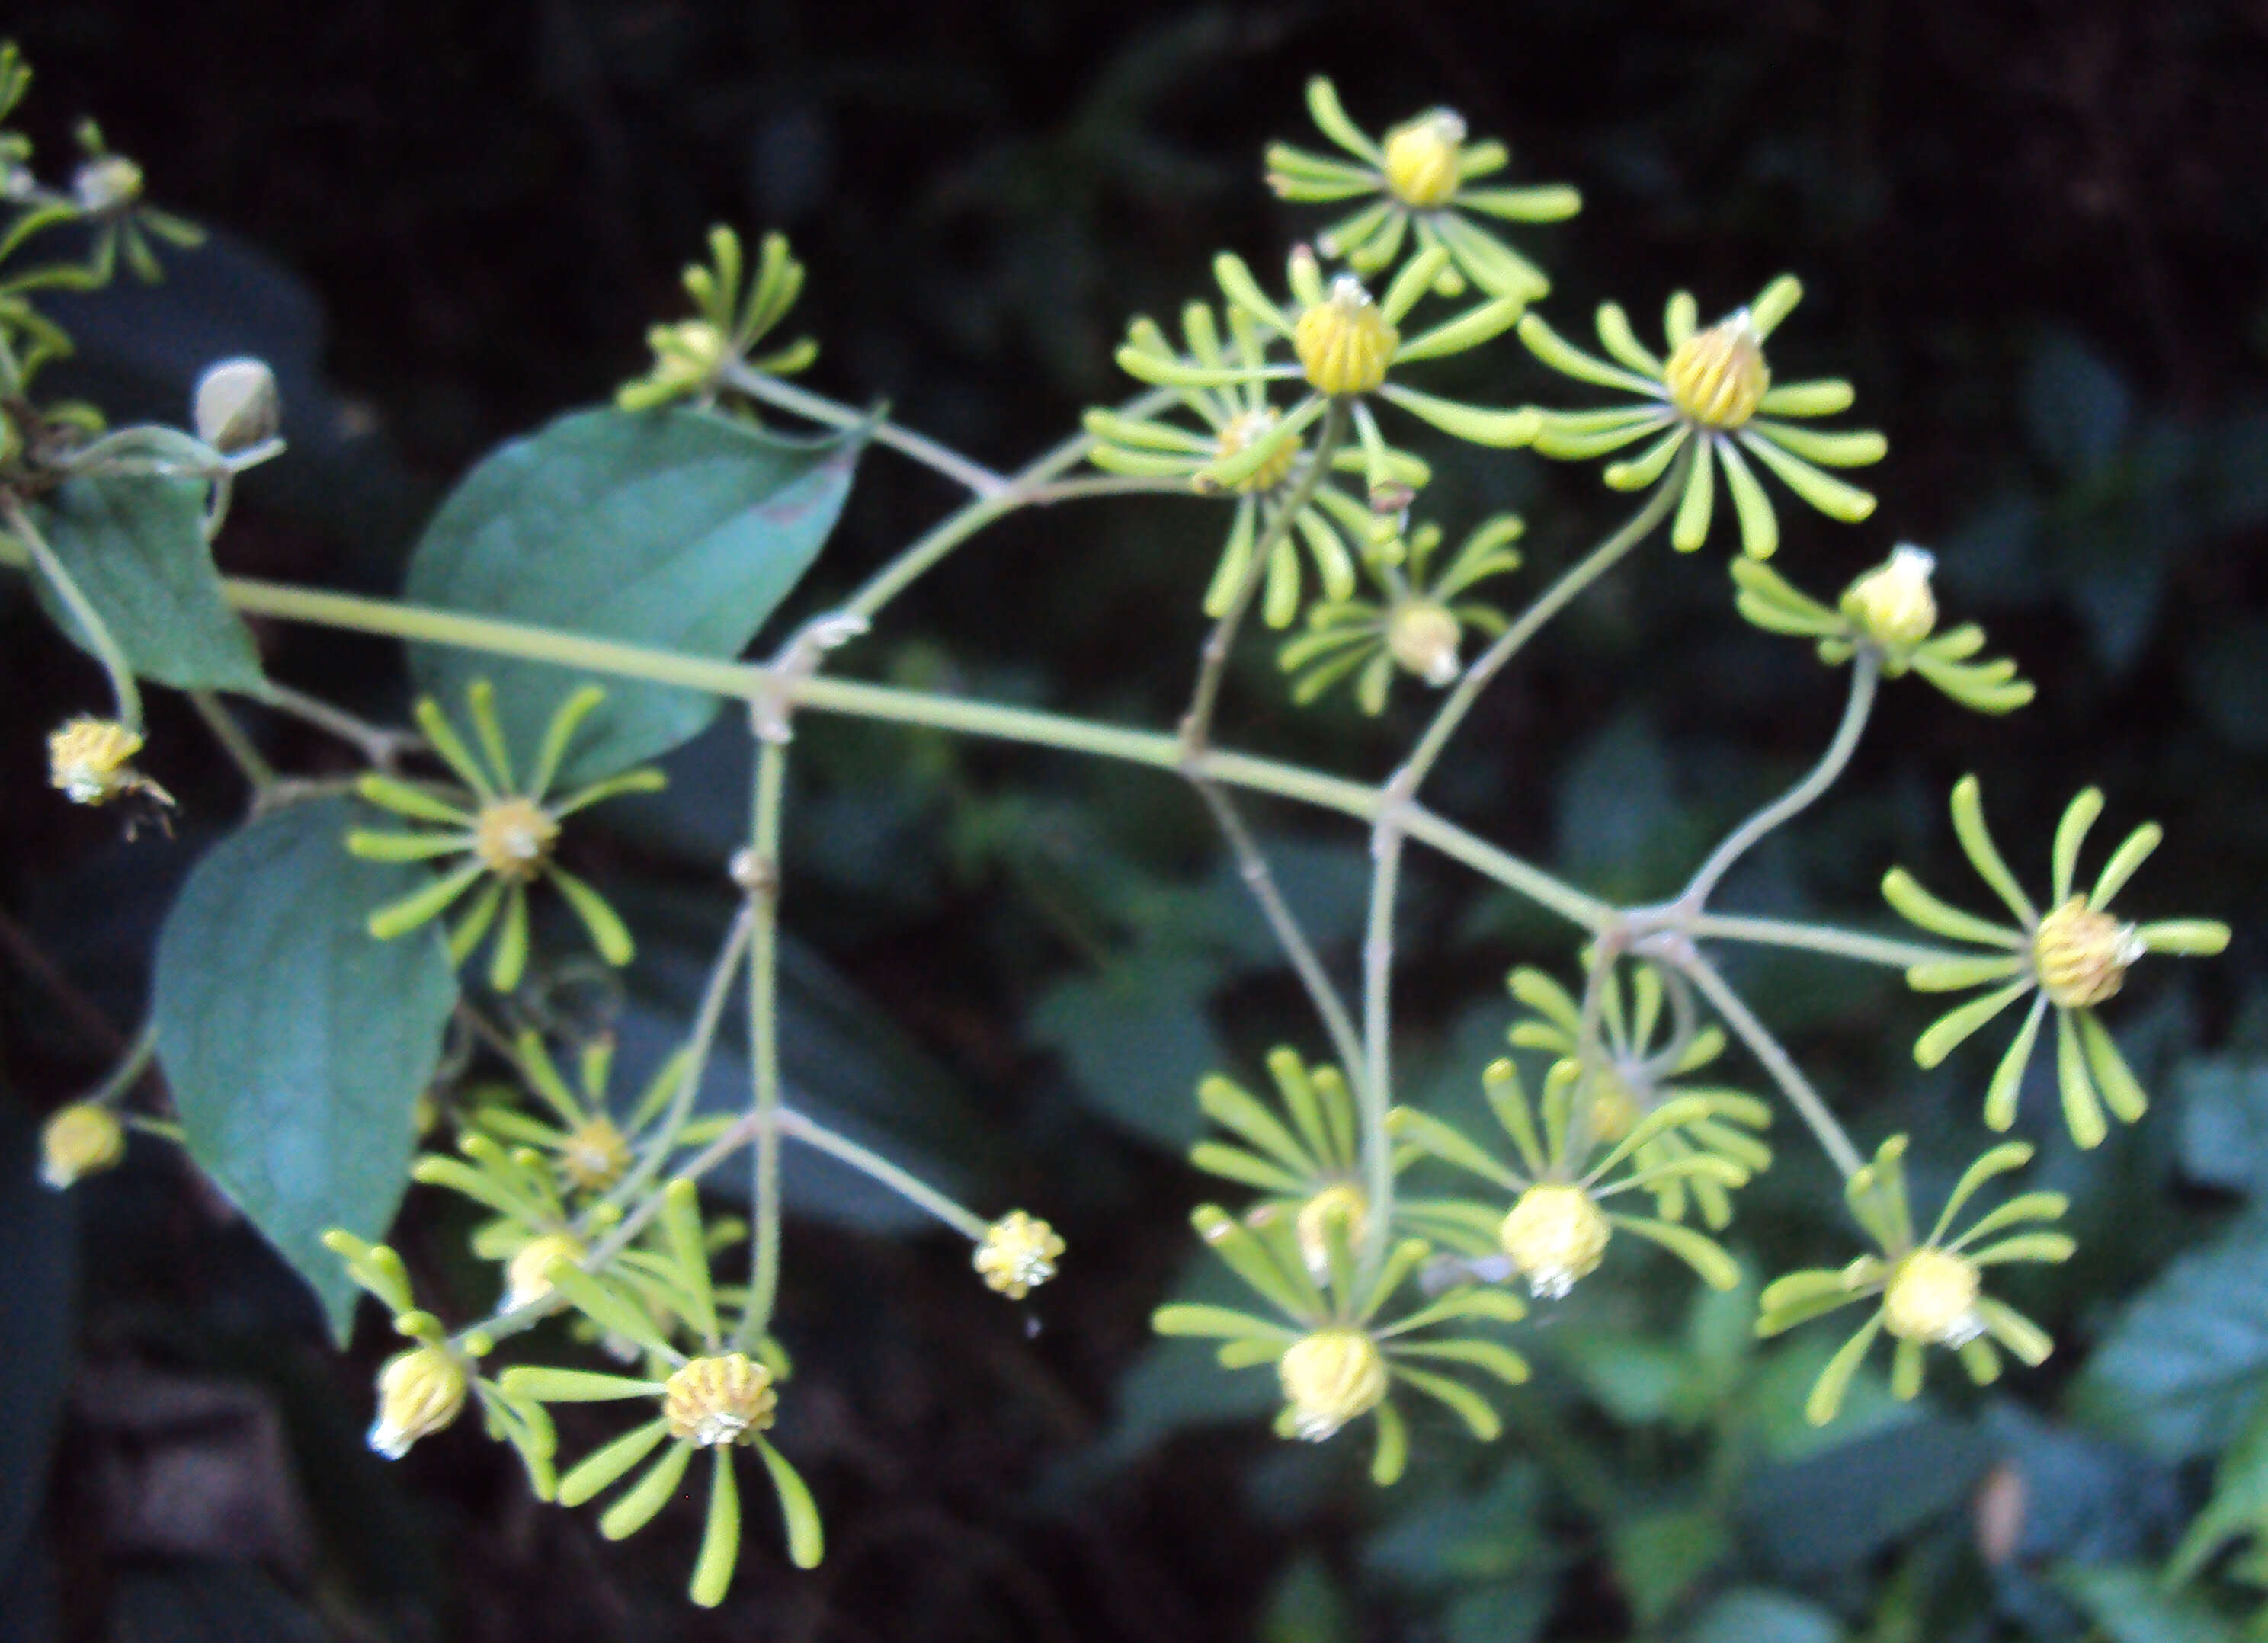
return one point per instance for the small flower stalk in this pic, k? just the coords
(695, 359)
(2071, 958)
(1708, 404)
(1419, 184)
(1930, 1291)
(1018, 1253)
(1416, 624)
(504, 831)
(1892, 612)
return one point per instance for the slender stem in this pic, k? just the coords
(1555, 598)
(240, 747)
(91, 624)
(1212, 664)
(763, 1038)
(757, 384)
(378, 746)
(1850, 943)
(1775, 1061)
(1252, 868)
(122, 1079)
(1865, 670)
(1374, 1095)
(876, 1167)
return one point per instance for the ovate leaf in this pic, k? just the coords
(135, 546)
(678, 529)
(294, 1043)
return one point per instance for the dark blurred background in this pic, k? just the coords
(2033, 236)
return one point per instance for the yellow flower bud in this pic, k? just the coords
(109, 184)
(1892, 603)
(2081, 954)
(1615, 1106)
(92, 761)
(1333, 1376)
(514, 836)
(688, 353)
(1017, 1255)
(1246, 430)
(1421, 158)
(1422, 636)
(1342, 1202)
(1931, 1297)
(236, 406)
(81, 1139)
(714, 1401)
(419, 1392)
(1555, 1234)
(528, 1276)
(595, 1155)
(1717, 376)
(1344, 343)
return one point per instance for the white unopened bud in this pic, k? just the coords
(236, 406)
(1893, 602)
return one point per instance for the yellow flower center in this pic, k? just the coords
(1422, 636)
(1717, 376)
(595, 1155)
(1555, 1234)
(1017, 1255)
(1931, 1297)
(528, 1278)
(1344, 344)
(717, 1401)
(1422, 159)
(512, 837)
(89, 760)
(109, 184)
(2081, 954)
(80, 1139)
(1329, 1378)
(419, 1392)
(687, 354)
(1892, 602)
(1246, 430)
(1342, 1202)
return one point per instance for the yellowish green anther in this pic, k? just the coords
(1929, 1291)
(91, 762)
(1418, 188)
(497, 829)
(1712, 392)
(691, 357)
(1018, 1253)
(2069, 959)
(79, 1140)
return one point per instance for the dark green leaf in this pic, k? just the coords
(294, 1043)
(1756, 1613)
(2075, 406)
(2177, 1372)
(135, 546)
(2223, 1102)
(1658, 1557)
(1138, 1039)
(2130, 1604)
(678, 529)
(1835, 1508)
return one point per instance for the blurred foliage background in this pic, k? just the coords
(2033, 235)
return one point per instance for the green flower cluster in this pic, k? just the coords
(694, 360)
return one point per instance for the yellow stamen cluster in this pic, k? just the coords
(91, 761)
(595, 1155)
(1717, 377)
(1892, 603)
(1555, 1234)
(1329, 1378)
(1422, 636)
(1247, 428)
(527, 1278)
(1422, 158)
(419, 1392)
(1931, 1297)
(2081, 954)
(1342, 1202)
(687, 354)
(110, 183)
(716, 1401)
(1344, 343)
(514, 836)
(1017, 1255)
(80, 1139)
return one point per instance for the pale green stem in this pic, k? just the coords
(1555, 599)
(1212, 663)
(1252, 868)
(91, 624)
(238, 746)
(763, 1038)
(378, 746)
(878, 1169)
(1850, 943)
(974, 477)
(1775, 1061)
(1865, 669)
(122, 1077)
(1374, 1095)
